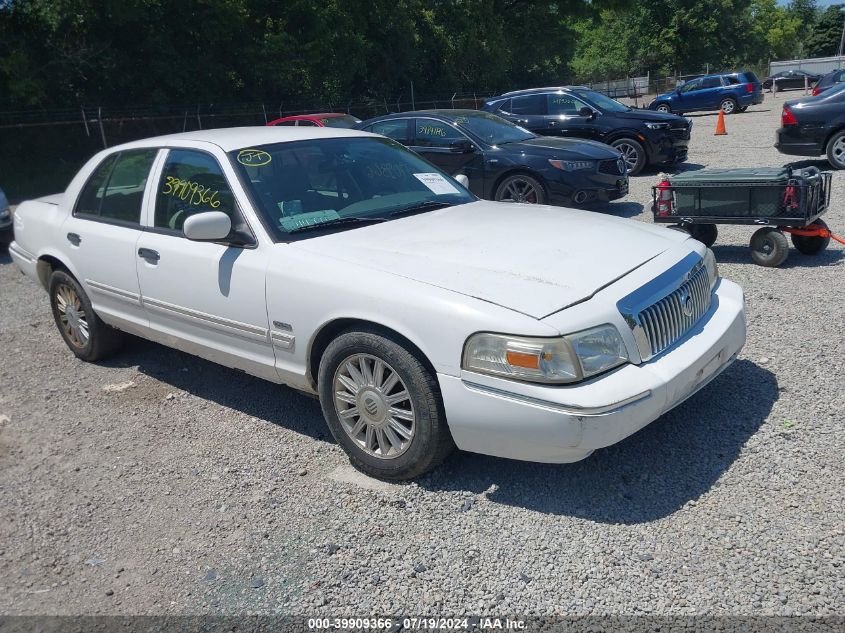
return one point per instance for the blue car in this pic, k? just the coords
(728, 92)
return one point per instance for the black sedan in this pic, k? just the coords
(790, 79)
(828, 81)
(813, 126)
(505, 162)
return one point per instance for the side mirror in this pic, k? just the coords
(463, 146)
(461, 178)
(209, 226)
(587, 112)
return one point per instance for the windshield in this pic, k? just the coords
(345, 121)
(492, 129)
(603, 102)
(302, 186)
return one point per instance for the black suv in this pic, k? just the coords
(643, 137)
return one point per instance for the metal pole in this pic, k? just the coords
(185, 122)
(842, 39)
(85, 121)
(199, 120)
(453, 100)
(413, 103)
(265, 113)
(102, 131)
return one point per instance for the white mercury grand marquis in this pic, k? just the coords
(343, 265)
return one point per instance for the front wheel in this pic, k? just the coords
(811, 245)
(633, 154)
(836, 150)
(82, 330)
(383, 406)
(769, 247)
(521, 188)
(728, 106)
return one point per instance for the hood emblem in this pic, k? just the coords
(686, 303)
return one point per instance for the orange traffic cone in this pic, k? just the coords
(720, 125)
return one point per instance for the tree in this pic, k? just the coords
(824, 40)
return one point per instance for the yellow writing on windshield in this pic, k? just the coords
(254, 158)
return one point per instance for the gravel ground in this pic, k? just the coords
(160, 483)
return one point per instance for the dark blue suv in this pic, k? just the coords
(729, 92)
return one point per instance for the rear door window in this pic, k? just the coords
(119, 197)
(730, 80)
(529, 104)
(711, 82)
(397, 129)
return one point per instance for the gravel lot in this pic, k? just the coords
(160, 483)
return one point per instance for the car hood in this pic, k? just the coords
(533, 259)
(647, 115)
(573, 148)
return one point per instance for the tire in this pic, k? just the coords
(811, 245)
(836, 150)
(632, 152)
(705, 233)
(521, 188)
(82, 330)
(664, 108)
(769, 247)
(374, 440)
(728, 105)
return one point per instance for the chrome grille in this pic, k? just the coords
(660, 323)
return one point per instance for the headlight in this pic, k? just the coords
(5, 213)
(657, 126)
(572, 165)
(712, 268)
(549, 360)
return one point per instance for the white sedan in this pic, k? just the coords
(341, 264)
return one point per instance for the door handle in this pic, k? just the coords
(552, 123)
(74, 238)
(149, 254)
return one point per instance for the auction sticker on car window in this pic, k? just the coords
(437, 183)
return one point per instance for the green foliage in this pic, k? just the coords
(824, 40)
(67, 53)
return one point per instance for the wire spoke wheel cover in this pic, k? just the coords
(72, 317)
(374, 406)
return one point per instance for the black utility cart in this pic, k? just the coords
(780, 200)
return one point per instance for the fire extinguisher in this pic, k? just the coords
(664, 199)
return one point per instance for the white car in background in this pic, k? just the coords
(341, 264)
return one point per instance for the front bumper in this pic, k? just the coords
(669, 148)
(594, 187)
(559, 424)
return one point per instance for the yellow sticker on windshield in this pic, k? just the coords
(254, 158)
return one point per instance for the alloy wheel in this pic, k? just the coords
(838, 151)
(727, 106)
(519, 190)
(629, 154)
(374, 406)
(72, 316)
(663, 108)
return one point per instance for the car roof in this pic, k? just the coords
(545, 89)
(443, 113)
(313, 115)
(232, 138)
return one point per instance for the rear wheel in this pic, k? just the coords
(383, 406)
(704, 233)
(633, 154)
(728, 106)
(836, 150)
(521, 188)
(82, 330)
(769, 247)
(811, 245)
(663, 108)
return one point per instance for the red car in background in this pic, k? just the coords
(322, 119)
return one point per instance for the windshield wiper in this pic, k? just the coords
(428, 205)
(336, 222)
